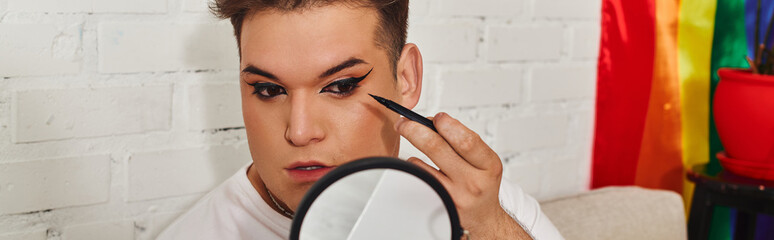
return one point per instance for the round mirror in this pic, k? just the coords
(376, 198)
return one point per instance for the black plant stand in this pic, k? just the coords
(749, 196)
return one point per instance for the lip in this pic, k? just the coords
(304, 176)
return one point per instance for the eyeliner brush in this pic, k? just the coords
(411, 115)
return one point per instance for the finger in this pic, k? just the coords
(466, 143)
(433, 145)
(430, 169)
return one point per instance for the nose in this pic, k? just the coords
(304, 127)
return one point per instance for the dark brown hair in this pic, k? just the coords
(390, 34)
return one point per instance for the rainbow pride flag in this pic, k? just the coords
(657, 72)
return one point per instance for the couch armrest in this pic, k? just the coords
(619, 213)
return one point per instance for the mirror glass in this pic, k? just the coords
(377, 204)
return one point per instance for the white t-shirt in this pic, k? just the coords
(235, 210)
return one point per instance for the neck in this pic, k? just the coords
(260, 187)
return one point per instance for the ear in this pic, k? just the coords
(409, 75)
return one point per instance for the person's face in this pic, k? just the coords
(302, 103)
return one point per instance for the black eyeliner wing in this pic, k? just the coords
(350, 81)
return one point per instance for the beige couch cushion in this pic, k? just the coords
(619, 213)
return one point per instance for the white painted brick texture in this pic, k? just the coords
(529, 175)
(47, 184)
(118, 230)
(117, 115)
(585, 41)
(562, 82)
(493, 8)
(195, 5)
(527, 133)
(154, 224)
(481, 87)
(525, 43)
(88, 6)
(215, 106)
(177, 172)
(149, 47)
(35, 235)
(31, 49)
(445, 42)
(67, 113)
(568, 9)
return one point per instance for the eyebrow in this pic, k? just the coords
(351, 62)
(257, 71)
(344, 65)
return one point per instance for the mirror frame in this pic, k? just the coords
(370, 163)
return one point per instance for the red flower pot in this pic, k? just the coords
(744, 116)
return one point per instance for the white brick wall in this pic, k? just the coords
(38, 49)
(34, 235)
(177, 172)
(464, 44)
(568, 9)
(66, 113)
(47, 184)
(491, 8)
(153, 225)
(195, 5)
(489, 86)
(214, 106)
(520, 134)
(118, 230)
(525, 43)
(128, 47)
(88, 6)
(585, 44)
(117, 115)
(563, 81)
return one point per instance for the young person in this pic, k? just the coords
(307, 67)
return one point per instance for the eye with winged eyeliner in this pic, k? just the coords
(342, 88)
(266, 90)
